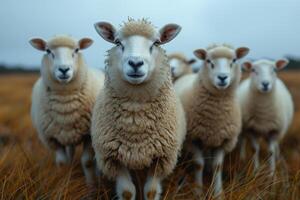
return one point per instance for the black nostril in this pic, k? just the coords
(64, 71)
(222, 78)
(265, 84)
(135, 65)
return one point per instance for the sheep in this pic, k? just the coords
(138, 122)
(211, 107)
(62, 99)
(267, 108)
(180, 65)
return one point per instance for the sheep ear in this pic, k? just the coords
(282, 63)
(85, 43)
(201, 54)
(241, 52)
(247, 66)
(168, 33)
(191, 61)
(38, 43)
(106, 31)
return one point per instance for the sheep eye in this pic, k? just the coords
(234, 60)
(76, 50)
(208, 61)
(119, 44)
(48, 51)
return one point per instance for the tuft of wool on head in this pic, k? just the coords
(223, 50)
(140, 27)
(178, 56)
(62, 41)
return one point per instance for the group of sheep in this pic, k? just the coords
(137, 116)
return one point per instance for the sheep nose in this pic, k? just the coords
(135, 64)
(64, 70)
(265, 85)
(222, 77)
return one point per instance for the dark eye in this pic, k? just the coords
(156, 43)
(253, 70)
(119, 44)
(49, 52)
(234, 60)
(211, 64)
(76, 50)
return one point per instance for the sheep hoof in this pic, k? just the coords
(127, 195)
(151, 195)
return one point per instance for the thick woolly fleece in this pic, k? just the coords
(62, 113)
(213, 116)
(267, 115)
(138, 126)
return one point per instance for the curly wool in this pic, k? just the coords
(140, 27)
(137, 126)
(213, 116)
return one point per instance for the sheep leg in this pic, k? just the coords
(218, 159)
(255, 146)
(152, 188)
(272, 148)
(88, 162)
(70, 150)
(61, 157)
(243, 148)
(125, 187)
(199, 159)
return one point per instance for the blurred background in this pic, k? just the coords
(269, 27)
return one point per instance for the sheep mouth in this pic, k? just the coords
(64, 77)
(136, 75)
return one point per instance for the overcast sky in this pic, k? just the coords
(269, 27)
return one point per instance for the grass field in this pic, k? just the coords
(27, 169)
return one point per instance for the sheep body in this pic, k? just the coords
(266, 113)
(64, 116)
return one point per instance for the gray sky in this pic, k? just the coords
(269, 27)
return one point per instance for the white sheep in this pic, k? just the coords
(211, 106)
(138, 123)
(180, 65)
(267, 108)
(63, 98)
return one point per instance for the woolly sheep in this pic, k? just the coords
(63, 98)
(138, 123)
(212, 111)
(267, 108)
(180, 65)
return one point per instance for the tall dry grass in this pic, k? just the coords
(27, 169)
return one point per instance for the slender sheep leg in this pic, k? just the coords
(88, 162)
(199, 159)
(218, 159)
(243, 142)
(70, 150)
(255, 146)
(272, 147)
(61, 157)
(125, 187)
(152, 188)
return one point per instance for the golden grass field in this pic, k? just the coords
(28, 171)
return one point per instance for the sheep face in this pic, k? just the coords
(61, 56)
(180, 67)
(221, 64)
(137, 47)
(263, 73)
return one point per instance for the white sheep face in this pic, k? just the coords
(263, 73)
(62, 63)
(137, 54)
(221, 71)
(221, 66)
(137, 58)
(176, 67)
(62, 59)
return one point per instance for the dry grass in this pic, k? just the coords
(27, 170)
